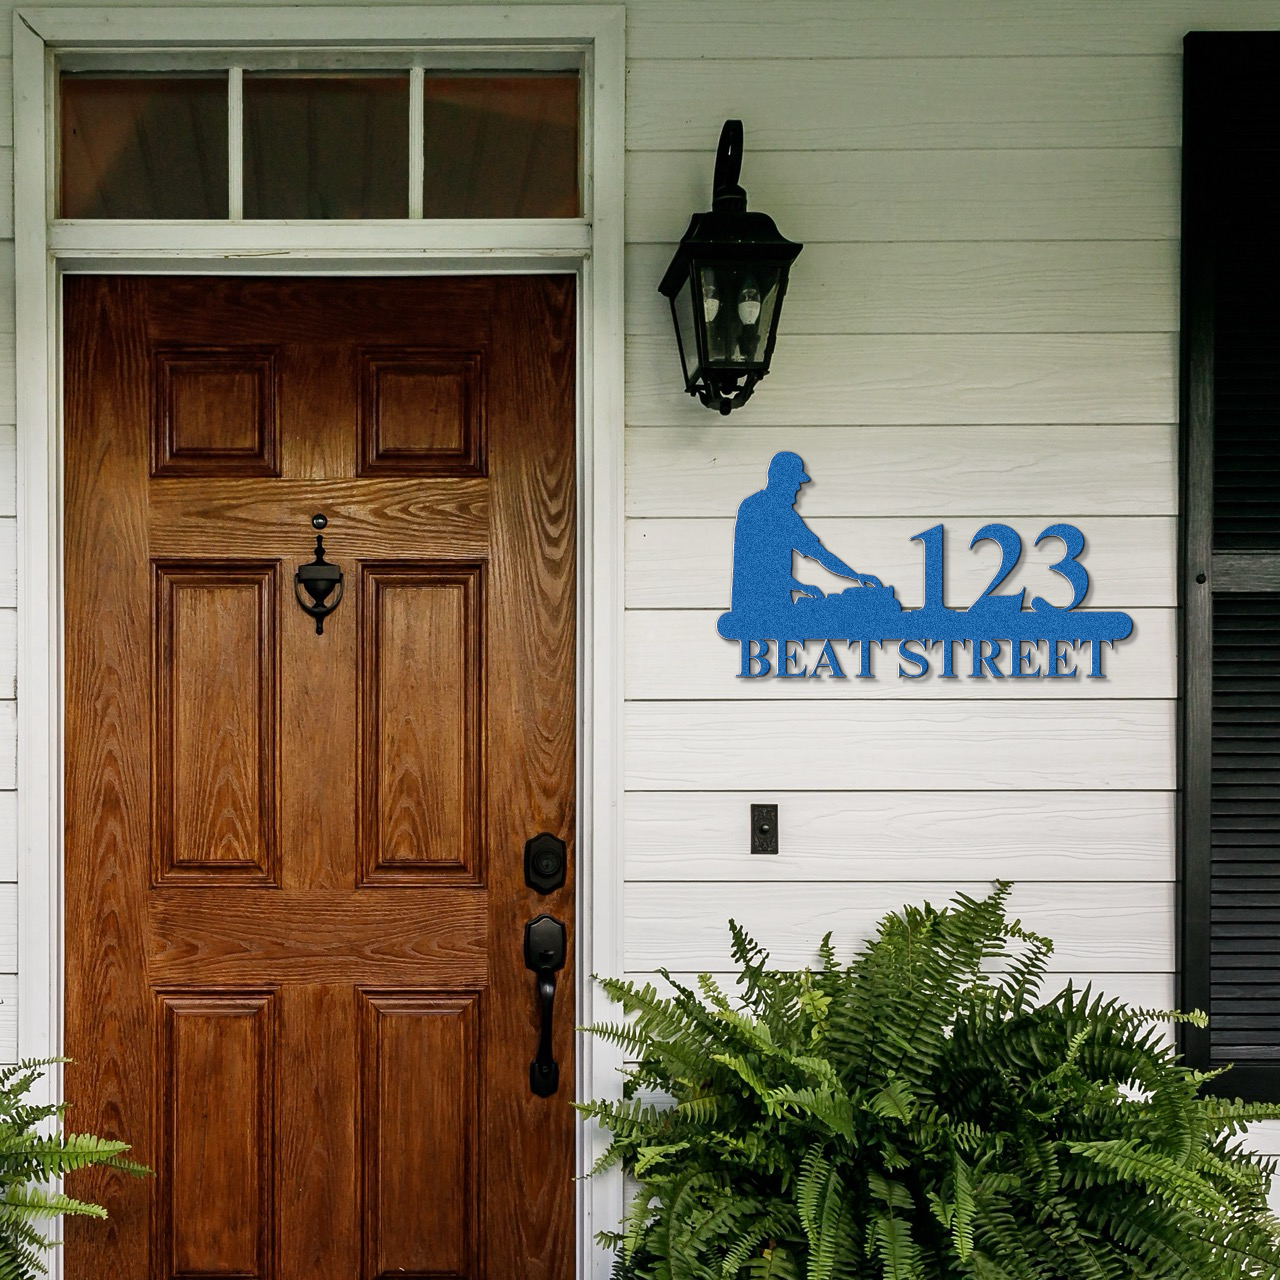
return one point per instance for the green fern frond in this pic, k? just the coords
(923, 1113)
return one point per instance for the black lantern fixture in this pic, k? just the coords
(726, 285)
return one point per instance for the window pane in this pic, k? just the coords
(144, 147)
(326, 146)
(501, 146)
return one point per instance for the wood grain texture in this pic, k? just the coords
(903, 470)
(686, 564)
(531, 752)
(935, 29)
(859, 104)
(842, 196)
(420, 1117)
(215, 411)
(871, 746)
(674, 654)
(422, 412)
(422, 777)
(217, 727)
(401, 517)
(456, 701)
(1104, 927)
(217, 1127)
(1126, 286)
(1023, 836)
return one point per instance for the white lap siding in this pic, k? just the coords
(982, 327)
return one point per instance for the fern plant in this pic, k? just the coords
(922, 1114)
(30, 1158)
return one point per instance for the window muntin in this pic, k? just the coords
(323, 143)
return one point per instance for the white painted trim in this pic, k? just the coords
(568, 239)
(592, 246)
(235, 143)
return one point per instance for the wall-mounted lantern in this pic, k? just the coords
(726, 285)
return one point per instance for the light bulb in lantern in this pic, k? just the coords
(710, 298)
(749, 304)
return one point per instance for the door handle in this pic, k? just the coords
(544, 955)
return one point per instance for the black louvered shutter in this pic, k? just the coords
(1229, 958)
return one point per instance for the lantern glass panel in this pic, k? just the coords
(686, 331)
(739, 302)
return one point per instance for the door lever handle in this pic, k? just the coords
(544, 945)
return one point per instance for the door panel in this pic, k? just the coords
(217, 732)
(216, 1138)
(295, 899)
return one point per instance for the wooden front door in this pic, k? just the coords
(295, 893)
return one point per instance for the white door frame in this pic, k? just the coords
(591, 247)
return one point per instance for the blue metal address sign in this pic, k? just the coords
(772, 625)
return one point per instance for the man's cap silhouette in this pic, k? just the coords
(787, 466)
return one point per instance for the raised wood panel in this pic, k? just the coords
(420, 1112)
(217, 726)
(1013, 835)
(675, 653)
(216, 1096)
(838, 104)
(841, 196)
(1104, 927)
(419, 517)
(687, 564)
(983, 380)
(215, 412)
(421, 715)
(871, 746)
(935, 28)
(422, 413)
(895, 471)
(1127, 286)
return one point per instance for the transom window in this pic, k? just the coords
(240, 143)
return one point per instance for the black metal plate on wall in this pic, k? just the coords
(764, 828)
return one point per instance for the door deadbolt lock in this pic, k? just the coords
(545, 863)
